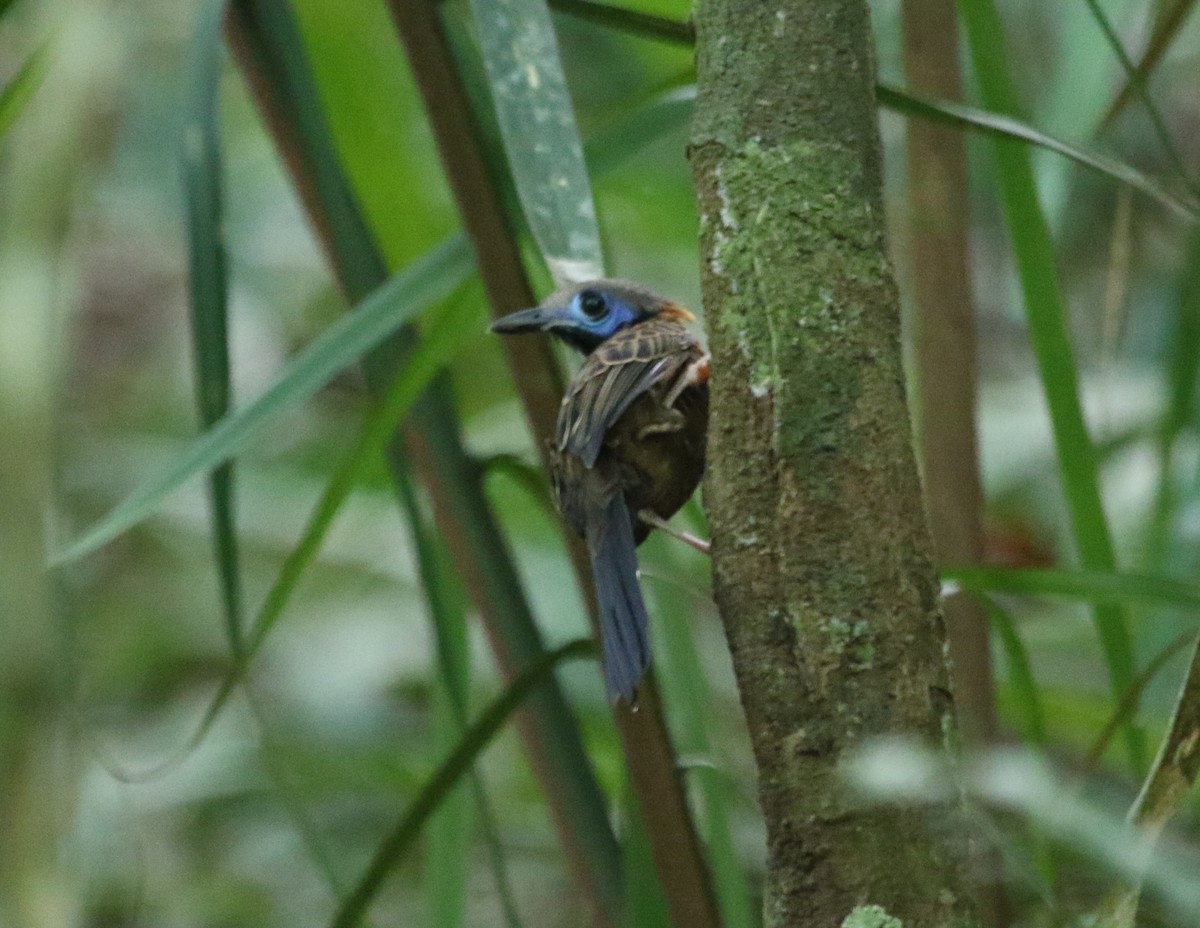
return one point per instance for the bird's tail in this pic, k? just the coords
(624, 625)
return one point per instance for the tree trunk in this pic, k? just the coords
(821, 557)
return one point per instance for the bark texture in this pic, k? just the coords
(822, 565)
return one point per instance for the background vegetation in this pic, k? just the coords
(110, 814)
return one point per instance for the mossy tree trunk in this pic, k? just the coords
(822, 564)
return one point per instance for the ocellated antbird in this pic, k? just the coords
(629, 445)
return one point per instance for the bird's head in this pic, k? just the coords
(587, 314)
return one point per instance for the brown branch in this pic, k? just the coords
(675, 847)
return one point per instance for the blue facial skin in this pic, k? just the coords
(591, 316)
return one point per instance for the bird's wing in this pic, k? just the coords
(614, 375)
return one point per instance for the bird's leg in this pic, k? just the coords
(654, 521)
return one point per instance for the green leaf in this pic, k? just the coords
(537, 123)
(999, 125)
(1139, 86)
(1046, 315)
(209, 286)
(16, 92)
(398, 301)
(1093, 586)
(1020, 675)
(1166, 28)
(400, 839)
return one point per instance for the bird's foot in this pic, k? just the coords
(655, 521)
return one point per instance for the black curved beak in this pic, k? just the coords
(527, 320)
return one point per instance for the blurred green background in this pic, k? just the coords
(107, 665)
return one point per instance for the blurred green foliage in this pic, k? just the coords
(107, 666)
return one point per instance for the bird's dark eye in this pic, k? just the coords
(593, 304)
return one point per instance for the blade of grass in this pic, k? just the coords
(448, 773)
(345, 341)
(1139, 87)
(209, 288)
(1020, 674)
(537, 123)
(16, 92)
(1092, 586)
(1032, 723)
(645, 25)
(272, 55)
(1165, 31)
(1130, 700)
(1001, 126)
(1046, 317)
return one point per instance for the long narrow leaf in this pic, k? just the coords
(1139, 87)
(1165, 31)
(537, 123)
(474, 740)
(392, 305)
(1093, 586)
(209, 287)
(1020, 674)
(1046, 314)
(1000, 125)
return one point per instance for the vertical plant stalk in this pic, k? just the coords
(944, 335)
(821, 557)
(939, 232)
(276, 74)
(675, 846)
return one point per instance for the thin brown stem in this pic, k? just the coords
(675, 846)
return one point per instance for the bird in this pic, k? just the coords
(629, 443)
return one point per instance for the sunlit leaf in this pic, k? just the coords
(537, 122)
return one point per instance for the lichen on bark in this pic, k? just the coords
(821, 556)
